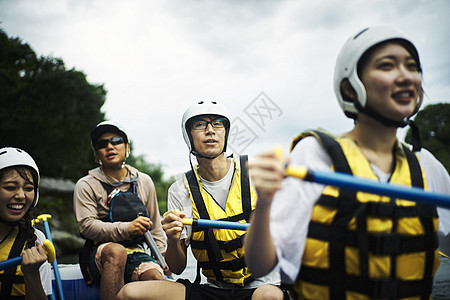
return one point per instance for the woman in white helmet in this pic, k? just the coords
(338, 244)
(19, 182)
(216, 188)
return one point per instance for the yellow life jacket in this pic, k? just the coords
(11, 280)
(220, 252)
(366, 246)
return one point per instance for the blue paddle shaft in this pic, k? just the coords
(220, 224)
(12, 262)
(374, 187)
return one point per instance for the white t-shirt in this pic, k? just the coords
(292, 205)
(219, 189)
(178, 198)
(45, 268)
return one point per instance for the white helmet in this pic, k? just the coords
(347, 66)
(10, 157)
(203, 108)
(107, 126)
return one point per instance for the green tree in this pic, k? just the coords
(434, 127)
(47, 110)
(156, 173)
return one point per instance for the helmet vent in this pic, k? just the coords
(3, 152)
(361, 32)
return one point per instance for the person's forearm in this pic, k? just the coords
(259, 246)
(176, 256)
(33, 287)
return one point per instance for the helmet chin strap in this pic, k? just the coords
(203, 156)
(416, 143)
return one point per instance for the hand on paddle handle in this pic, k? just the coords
(139, 226)
(267, 171)
(172, 223)
(32, 259)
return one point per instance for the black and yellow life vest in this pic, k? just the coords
(366, 246)
(12, 280)
(220, 252)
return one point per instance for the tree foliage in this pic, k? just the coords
(47, 110)
(434, 127)
(156, 173)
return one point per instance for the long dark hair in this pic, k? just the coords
(25, 224)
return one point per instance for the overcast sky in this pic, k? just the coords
(270, 62)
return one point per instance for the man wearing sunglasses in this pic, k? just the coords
(114, 252)
(217, 188)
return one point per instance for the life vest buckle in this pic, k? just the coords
(232, 245)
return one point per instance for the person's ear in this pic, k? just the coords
(97, 159)
(347, 90)
(128, 151)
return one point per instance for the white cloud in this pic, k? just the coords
(156, 57)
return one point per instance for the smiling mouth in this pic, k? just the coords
(403, 96)
(16, 207)
(209, 142)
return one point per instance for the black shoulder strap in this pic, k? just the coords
(197, 195)
(344, 213)
(414, 168)
(109, 188)
(9, 276)
(427, 222)
(245, 188)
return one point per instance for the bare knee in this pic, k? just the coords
(268, 292)
(127, 292)
(114, 255)
(152, 275)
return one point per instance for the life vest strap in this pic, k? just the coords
(233, 265)
(378, 243)
(384, 288)
(9, 275)
(227, 246)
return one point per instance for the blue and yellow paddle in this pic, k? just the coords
(12, 262)
(343, 181)
(216, 224)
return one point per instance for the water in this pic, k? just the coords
(191, 269)
(441, 287)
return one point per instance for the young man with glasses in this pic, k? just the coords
(217, 188)
(114, 252)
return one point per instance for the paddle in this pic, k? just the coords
(152, 244)
(59, 286)
(154, 248)
(216, 224)
(346, 181)
(12, 262)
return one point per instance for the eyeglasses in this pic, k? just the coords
(115, 140)
(202, 124)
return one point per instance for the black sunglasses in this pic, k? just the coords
(115, 140)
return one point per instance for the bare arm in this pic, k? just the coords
(267, 172)
(32, 259)
(172, 223)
